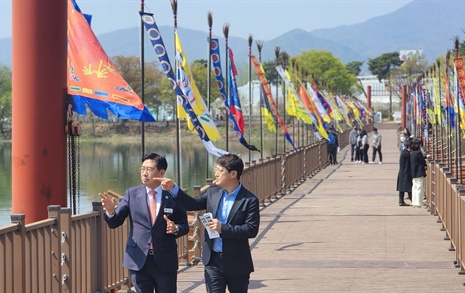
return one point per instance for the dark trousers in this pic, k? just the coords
(150, 277)
(358, 154)
(377, 150)
(332, 153)
(401, 196)
(216, 281)
(365, 153)
(352, 151)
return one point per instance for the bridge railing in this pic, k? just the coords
(79, 253)
(446, 200)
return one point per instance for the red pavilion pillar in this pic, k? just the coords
(38, 106)
(404, 107)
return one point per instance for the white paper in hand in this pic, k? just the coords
(205, 219)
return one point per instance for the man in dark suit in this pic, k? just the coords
(155, 223)
(227, 259)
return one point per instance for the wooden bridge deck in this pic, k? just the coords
(343, 231)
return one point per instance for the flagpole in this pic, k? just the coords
(174, 6)
(250, 40)
(305, 125)
(295, 67)
(226, 34)
(259, 47)
(438, 119)
(430, 92)
(276, 52)
(142, 76)
(209, 71)
(284, 101)
(433, 143)
(458, 143)
(304, 82)
(449, 130)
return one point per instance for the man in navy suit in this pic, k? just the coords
(156, 220)
(227, 259)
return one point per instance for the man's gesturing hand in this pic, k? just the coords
(171, 227)
(166, 183)
(108, 203)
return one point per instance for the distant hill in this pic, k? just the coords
(421, 24)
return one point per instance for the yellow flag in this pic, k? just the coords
(437, 100)
(187, 85)
(269, 120)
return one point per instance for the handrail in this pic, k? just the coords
(77, 252)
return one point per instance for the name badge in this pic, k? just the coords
(168, 210)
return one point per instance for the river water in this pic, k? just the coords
(114, 165)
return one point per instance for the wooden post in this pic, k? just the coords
(19, 254)
(65, 258)
(55, 254)
(100, 246)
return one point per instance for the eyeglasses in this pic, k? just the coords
(148, 169)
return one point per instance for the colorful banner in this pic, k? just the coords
(264, 82)
(234, 100)
(160, 50)
(216, 60)
(266, 111)
(322, 99)
(92, 78)
(316, 101)
(293, 98)
(310, 106)
(460, 73)
(187, 84)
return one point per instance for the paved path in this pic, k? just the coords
(343, 231)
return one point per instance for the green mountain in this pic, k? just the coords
(420, 25)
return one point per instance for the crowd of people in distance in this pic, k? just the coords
(359, 144)
(412, 161)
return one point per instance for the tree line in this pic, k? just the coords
(330, 72)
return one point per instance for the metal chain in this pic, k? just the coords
(69, 137)
(78, 171)
(73, 161)
(73, 173)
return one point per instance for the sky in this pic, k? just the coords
(263, 19)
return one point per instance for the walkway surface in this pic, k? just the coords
(343, 231)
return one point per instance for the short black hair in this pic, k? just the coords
(161, 162)
(231, 162)
(416, 145)
(375, 129)
(408, 144)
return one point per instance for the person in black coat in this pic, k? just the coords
(404, 177)
(236, 217)
(364, 146)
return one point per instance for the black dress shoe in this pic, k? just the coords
(403, 204)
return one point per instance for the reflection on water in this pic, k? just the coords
(115, 166)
